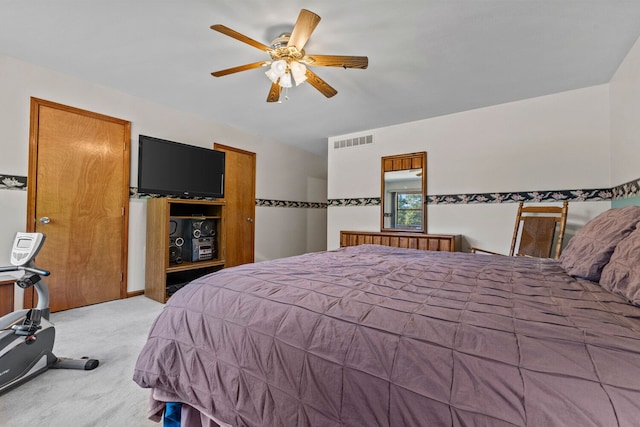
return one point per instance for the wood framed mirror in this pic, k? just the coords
(404, 189)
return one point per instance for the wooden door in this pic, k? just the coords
(78, 196)
(240, 195)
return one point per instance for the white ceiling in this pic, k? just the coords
(426, 57)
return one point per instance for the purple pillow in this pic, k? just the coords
(622, 274)
(590, 249)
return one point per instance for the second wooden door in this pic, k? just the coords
(240, 184)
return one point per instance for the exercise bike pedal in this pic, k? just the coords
(85, 363)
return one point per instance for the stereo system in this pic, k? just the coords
(191, 239)
(202, 249)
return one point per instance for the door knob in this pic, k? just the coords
(250, 219)
(45, 220)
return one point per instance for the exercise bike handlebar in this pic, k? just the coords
(23, 268)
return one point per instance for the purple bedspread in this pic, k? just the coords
(379, 336)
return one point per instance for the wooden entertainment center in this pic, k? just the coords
(170, 263)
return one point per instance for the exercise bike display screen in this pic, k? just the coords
(24, 243)
(25, 247)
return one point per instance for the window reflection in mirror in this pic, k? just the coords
(403, 192)
(403, 199)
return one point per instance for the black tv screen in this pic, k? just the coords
(180, 170)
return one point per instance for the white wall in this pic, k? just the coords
(282, 172)
(288, 175)
(13, 217)
(555, 142)
(625, 119)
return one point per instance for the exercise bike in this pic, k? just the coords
(27, 336)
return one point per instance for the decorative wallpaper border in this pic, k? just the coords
(601, 194)
(361, 201)
(623, 191)
(133, 194)
(626, 190)
(289, 204)
(13, 182)
(259, 202)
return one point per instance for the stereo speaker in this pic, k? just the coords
(202, 228)
(176, 241)
(175, 255)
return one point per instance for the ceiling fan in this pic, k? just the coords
(289, 60)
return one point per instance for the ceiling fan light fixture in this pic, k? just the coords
(285, 80)
(277, 71)
(272, 75)
(279, 67)
(298, 71)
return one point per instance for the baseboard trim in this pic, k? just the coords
(135, 293)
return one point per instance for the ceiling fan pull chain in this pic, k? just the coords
(285, 91)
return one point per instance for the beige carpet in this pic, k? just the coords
(112, 332)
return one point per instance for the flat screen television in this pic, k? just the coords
(179, 170)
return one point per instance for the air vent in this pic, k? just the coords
(353, 142)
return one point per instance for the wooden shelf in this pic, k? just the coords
(196, 217)
(195, 265)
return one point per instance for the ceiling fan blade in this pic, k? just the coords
(240, 68)
(320, 84)
(274, 93)
(361, 62)
(241, 37)
(306, 23)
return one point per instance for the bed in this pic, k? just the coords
(379, 336)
